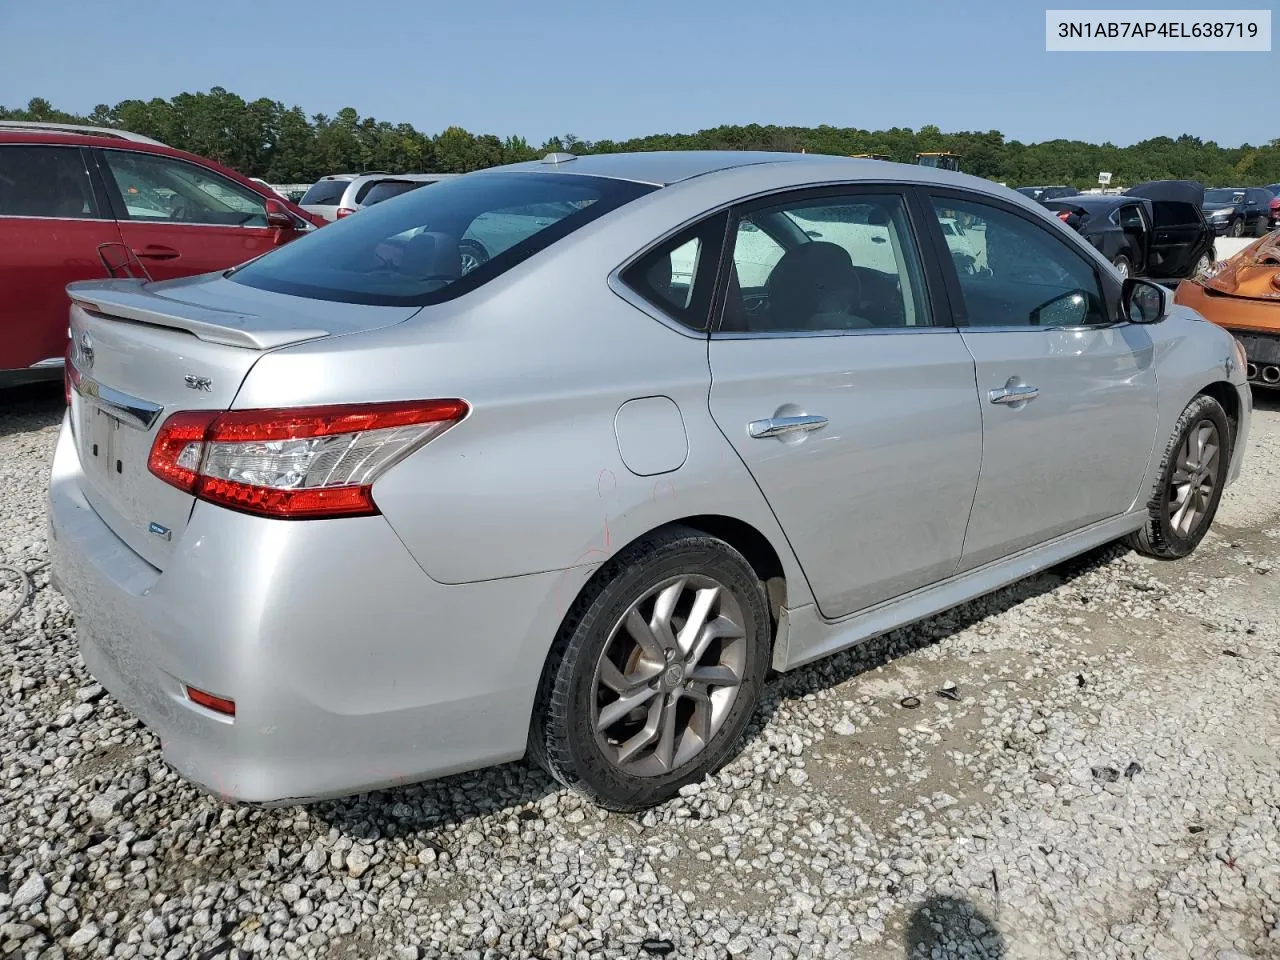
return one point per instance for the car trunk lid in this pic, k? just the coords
(141, 352)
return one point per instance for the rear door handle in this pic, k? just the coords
(1014, 393)
(154, 251)
(780, 426)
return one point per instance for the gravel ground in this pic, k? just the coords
(1098, 777)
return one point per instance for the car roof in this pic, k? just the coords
(666, 167)
(73, 129)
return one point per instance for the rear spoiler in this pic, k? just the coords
(129, 300)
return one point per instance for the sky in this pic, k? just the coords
(612, 70)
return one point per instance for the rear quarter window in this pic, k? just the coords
(408, 253)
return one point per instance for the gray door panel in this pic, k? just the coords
(874, 501)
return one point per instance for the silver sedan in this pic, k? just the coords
(357, 513)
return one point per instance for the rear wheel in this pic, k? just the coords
(1123, 267)
(655, 673)
(1203, 265)
(1192, 476)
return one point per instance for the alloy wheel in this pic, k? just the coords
(669, 675)
(1195, 477)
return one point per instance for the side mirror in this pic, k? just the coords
(1069, 310)
(278, 215)
(1142, 301)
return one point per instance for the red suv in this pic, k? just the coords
(79, 203)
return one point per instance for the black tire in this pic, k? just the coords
(1237, 228)
(473, 252)
(1260, 230)
(1203, 264)
(561, 737)
(1122, 264)
(1158, 537)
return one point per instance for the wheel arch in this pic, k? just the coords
(1229, 399)
(743, 536)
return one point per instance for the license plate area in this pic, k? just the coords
(98, 443)
(110, 449)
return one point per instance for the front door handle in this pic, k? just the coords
(1014, 392)
(780, 426)
(154, 251)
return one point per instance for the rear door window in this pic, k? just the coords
(386, 189)
(42, 181)
(408, 253)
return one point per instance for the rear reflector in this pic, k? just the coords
(210, 702)
(295, 463)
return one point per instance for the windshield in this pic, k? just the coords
(432, 245)
(1223, 196)
(325, 193)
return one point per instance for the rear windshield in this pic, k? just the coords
(434, 245)
(325, 193)
(386, 189)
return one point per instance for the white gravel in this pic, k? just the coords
(1100, 777)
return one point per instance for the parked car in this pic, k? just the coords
(1242, 295)
(1152, 230)
(77, 203)
(1274, 205)
(375, 187)
(1041, 194)
(1235, 211)
(324, 197)
(348, 516)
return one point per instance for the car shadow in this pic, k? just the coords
(436, 805)
(944, 926)
(32, 406)
(1266, 399)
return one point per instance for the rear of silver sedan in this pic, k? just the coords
(279, 649)
(234, 583)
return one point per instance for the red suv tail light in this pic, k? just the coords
(344, 212)
(295, 463)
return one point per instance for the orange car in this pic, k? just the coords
(1242, 294)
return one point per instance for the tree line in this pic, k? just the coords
(264, 138)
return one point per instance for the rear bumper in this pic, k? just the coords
(350, 668)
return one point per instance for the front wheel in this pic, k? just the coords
(1192, 476)
(1121, 263)
(1237, 228)
(655, 673)
(1203, 265)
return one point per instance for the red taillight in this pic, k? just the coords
(295, 463)
(1064, 215)
(345, 212)
(210, 702)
